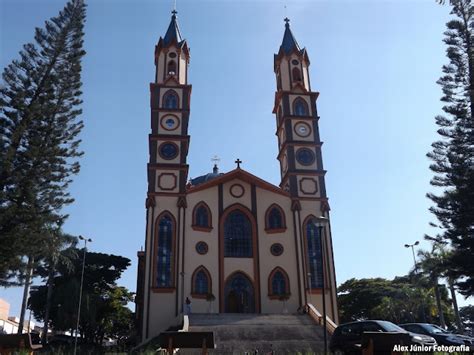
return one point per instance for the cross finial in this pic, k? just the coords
(238, 162)
(174, 12)
(287, 21)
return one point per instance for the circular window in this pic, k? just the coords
(295, 62)
(168, 151)
(304, 156)
(276, 249)
(202, 248)
(172, 55)
(169, 123)
(302, 129)
(237, 190)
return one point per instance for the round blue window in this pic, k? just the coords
(202, 248)
(305, 156)
(276, 249)
(168, 151)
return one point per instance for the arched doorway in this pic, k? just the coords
(239, 294)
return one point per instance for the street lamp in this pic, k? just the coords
(412, 246)
(321, 222)
(80, 289)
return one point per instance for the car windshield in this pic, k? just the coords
(390, 327)
(434, 329)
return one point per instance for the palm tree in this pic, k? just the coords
(431, 265)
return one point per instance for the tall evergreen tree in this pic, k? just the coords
(39, 144)
(453, 154)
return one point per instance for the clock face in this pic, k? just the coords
(302, 129)
(170, 123)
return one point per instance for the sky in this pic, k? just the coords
(375, 64)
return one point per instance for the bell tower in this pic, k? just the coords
(170, 94)
(301, 166)
(302, 173)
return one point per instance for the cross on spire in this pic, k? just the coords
(174, 12)
(238, 162)
(287, 21)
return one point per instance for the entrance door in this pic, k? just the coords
(239, 294)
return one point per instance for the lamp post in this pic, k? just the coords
(321, 222)
(412, 246)
(80, 289)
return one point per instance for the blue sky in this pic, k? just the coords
(375, 64)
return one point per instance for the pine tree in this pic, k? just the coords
(453, 154)
(39, 144)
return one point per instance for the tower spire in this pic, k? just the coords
(289, 42)
(173, 33)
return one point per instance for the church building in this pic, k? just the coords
(232, 242)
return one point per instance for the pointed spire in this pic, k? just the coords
(173, 33)
(289, 42)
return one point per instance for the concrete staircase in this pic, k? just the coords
(246, 333)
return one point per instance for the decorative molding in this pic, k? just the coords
(296, 205)
(237, 190)
(164, 185)
(182, 203)
(308, 186)
(150, 202)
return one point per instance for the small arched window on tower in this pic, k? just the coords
(202, 217)
(278, 283)
(274, 219)
(296, 74)
(170, 100)
(300, 107)
(171, 67)
(201, 283)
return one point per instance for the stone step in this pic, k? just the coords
(248, 333)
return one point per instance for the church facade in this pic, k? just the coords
(232, 242)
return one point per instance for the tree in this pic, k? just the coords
(397, 300)
(453, 154)
(103, 308)
(467, 318)
(39, 145)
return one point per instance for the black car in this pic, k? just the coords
(347, 337)
(443, 337)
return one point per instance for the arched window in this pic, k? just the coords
(165, 251)
(278, 283)
(201, 283)
(202, 219)
(275, 219)
(296, 74)
(300, 108)
(313, 252)
(237, 235)
(170, 99)
(171, 67)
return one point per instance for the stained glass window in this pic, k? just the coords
(202, 217)
(171, 100)
(305, 156)
(276, 249)
(300, 107)
(275, 219)
(237, 235)
(278, 284)
(165, 252)
(201, 283)
(168, 151)
(202, 248)
(313, 247)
